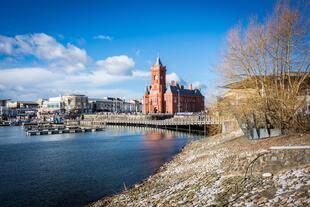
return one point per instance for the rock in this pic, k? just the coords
(266, 175)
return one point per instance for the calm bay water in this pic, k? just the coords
(76, 169)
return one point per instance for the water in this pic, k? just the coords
(76, 169)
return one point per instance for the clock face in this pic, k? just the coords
(156, 77)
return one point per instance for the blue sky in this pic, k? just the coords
(106, 48)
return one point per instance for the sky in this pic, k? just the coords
(106, 48)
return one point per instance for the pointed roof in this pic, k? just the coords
(158, 62)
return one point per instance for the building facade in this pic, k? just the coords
(174, 98)
(64, 104)
(4, 112)
(75, 103)
(114, 105)
(133, 106)
(22, 109)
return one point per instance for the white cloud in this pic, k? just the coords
(140, 74)
(175, 77)
(103, 37)
(19, 83)
(172, 77)
(68, 58)
(117, 65)
(114, 92)
(199, 85)
(6, 45)
(26, 83)
(25, 76)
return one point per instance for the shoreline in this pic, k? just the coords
(160, 169)
(201, 172)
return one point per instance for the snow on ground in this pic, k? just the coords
(202, 175)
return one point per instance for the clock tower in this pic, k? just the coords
(158, 77)
(157, 89)
(172, 98)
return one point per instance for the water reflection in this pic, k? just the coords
(153, 136)
(134, 130)
(76, 169)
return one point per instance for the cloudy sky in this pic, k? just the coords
(106, 48)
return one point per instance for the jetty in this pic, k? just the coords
(34, 130)
(191, 124)
(5, 123)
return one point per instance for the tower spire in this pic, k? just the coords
(158, 62)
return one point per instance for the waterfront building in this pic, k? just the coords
(75, 103)
(174, 98)
(3, 108)
(22, 110)
(64, 104)
(96, 105)
(53, 105)
(115, 105)
(82, 104)
(133, 106)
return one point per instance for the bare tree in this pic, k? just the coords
(272, 59)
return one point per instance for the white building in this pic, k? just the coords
(114, 105)
(133, 106)
(21, 109)
(64, 104)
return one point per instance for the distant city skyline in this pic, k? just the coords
(107, 48)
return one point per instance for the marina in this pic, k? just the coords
(34, 130)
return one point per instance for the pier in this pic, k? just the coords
(188, 124)
(50, 130)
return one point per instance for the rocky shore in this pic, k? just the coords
(228, 170)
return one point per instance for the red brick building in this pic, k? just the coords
(174, 98)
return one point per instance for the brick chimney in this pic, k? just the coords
(190, 87)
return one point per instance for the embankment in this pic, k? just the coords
(228, 170)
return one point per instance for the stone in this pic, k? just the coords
(274, 158)
(266, 175)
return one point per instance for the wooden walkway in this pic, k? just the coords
(185, 125)
(166, 122)
(163, 122)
